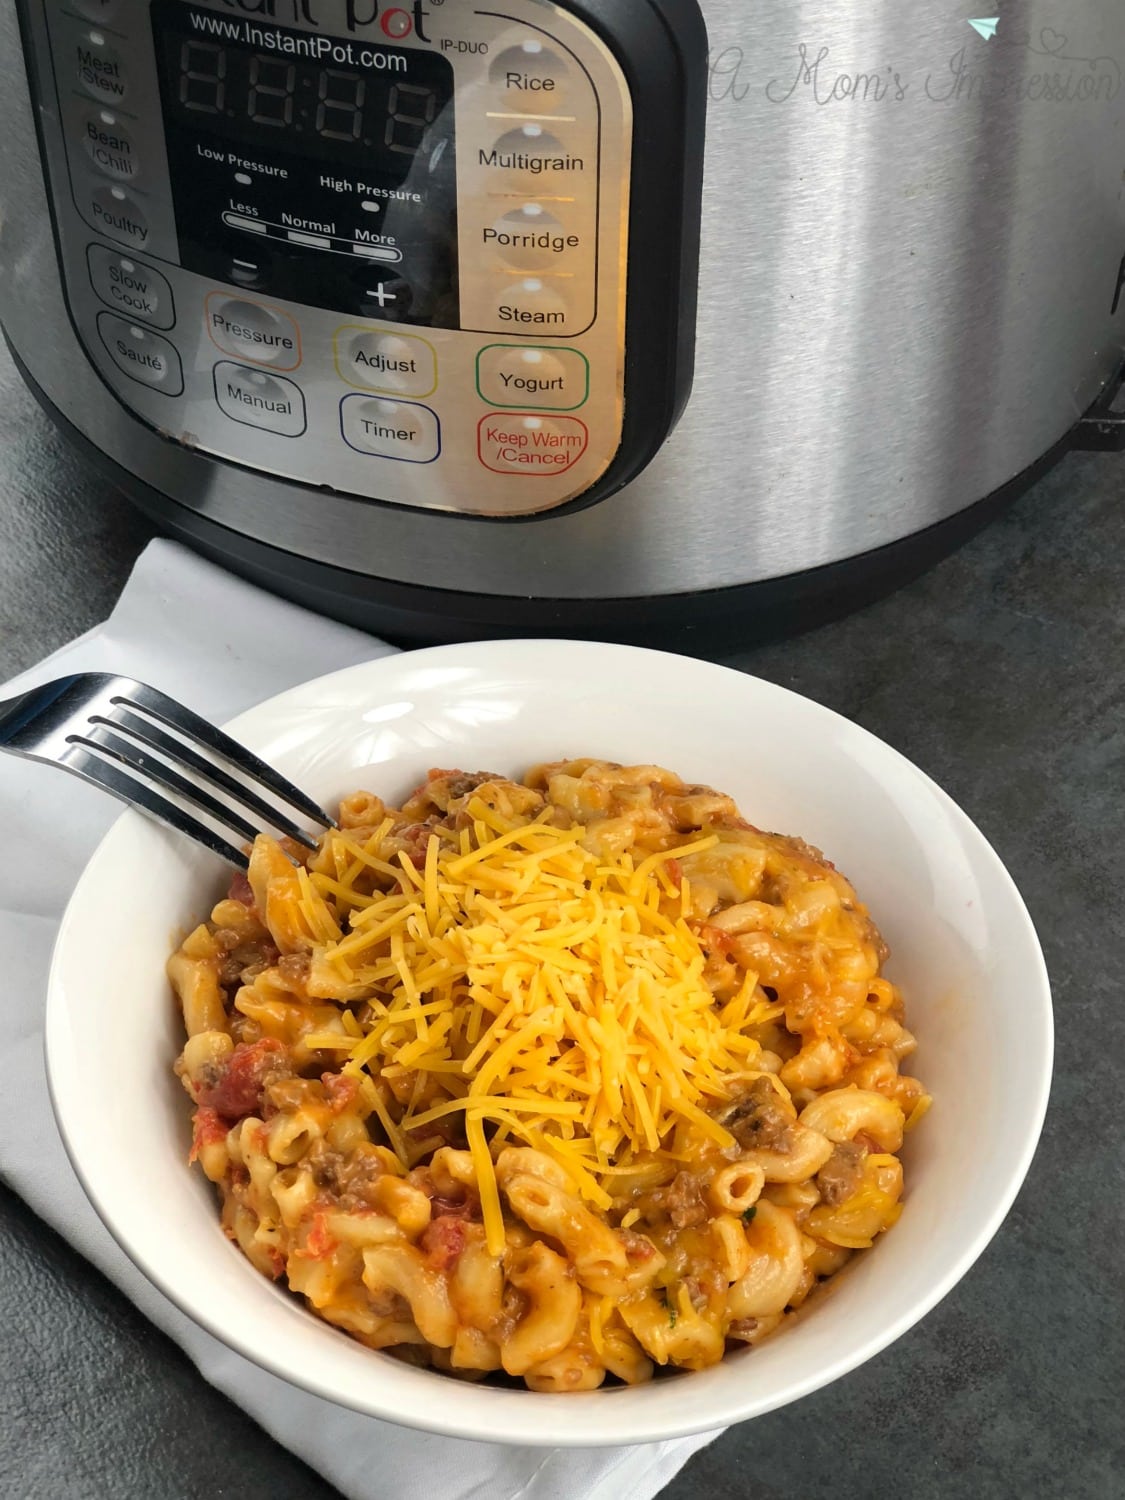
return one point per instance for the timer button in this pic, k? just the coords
(531, 306)
(118, 216)
(99, 68)
(109, 146)
(259, 400)
(394, 363)
(531, 445)
(521, 376)
(397, 430)
(252, 331)
(141, 354)
(137, 291)
(530, 77)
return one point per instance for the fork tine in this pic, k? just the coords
(106, 776)
(145, 733)
(133, 758)
(175, 716)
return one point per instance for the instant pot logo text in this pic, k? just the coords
(1039, 69)
(394, 21)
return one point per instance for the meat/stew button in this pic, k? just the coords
(523, 443)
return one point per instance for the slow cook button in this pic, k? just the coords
(395, 363)
(259, 400)
(252, 331)
(118, 216)
(141, 354)
(135, 289)
(518, 375)
(99, 68)
(531, 445)
(398, 430)
(109, 146)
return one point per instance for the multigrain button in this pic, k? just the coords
(252, 331)
(530, 445)
(256, 399)
(395, 363)
(99, 69)
(134, 289)
(533, 306)
(530, 77)
(119, 216)
(398, 430)
(530, 156)
(521, 376)
(141, 354)
(109, 145)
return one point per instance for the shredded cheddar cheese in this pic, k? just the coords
(543, 989)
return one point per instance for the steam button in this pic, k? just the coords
(99, 68)
(531, 306)
(253, 332)
(141, 354)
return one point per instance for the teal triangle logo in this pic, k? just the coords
(986, 29)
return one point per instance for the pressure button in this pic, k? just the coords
(253, 332)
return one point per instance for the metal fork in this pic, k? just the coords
(113, 732)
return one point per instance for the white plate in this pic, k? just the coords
(964, 950)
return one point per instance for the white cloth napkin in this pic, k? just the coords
(220, 646)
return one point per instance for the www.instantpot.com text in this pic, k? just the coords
(299, 44)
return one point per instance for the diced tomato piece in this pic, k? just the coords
(240, 889)
(238, 1091)
(207, 1128)
(675, 872)
(443, 1240)
(341, 1090)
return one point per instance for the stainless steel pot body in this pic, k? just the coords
(912, 287)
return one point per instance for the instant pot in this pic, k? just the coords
(467, 317)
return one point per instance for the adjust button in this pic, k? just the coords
(134, 289)
(118, 216)
(256, 399)
(395, 363)
(531, 445)
(399, 430)
(141, 354)
(99, 68)
(252, 331)
(110, 146)
(521, 376)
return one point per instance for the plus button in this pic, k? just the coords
(382, 296)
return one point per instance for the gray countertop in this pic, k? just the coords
(1002, 674)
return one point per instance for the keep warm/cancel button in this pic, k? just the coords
(514, 443)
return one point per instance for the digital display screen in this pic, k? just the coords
(318, 169)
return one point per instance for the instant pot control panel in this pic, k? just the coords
(379, 249)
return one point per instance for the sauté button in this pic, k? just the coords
(254, 332)
(118, 216)
(521, 376)
(531, 445)
(109, 146)
(99, 68)
(530, 76)
(141, 354)
(256, 399)
(398, 430)
(392, 362)
(134, 289)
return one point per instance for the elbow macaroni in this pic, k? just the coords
(565, 1138)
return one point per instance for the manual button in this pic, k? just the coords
(141, 354)
(256, 399)
(252, 331)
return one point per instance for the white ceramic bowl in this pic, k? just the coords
(964, 950)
